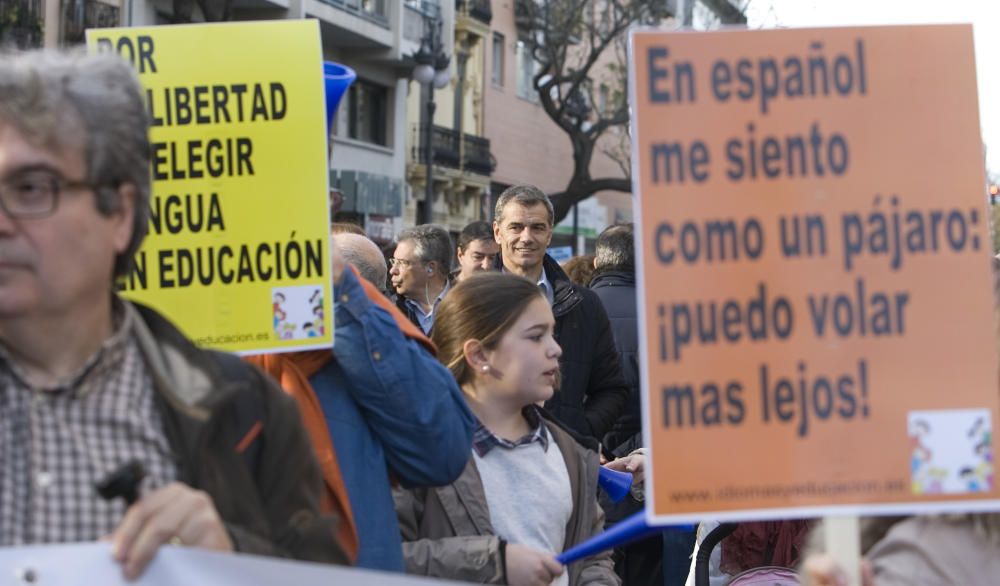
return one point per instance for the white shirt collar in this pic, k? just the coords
(543, 284)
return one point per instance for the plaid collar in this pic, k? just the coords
(484, 440)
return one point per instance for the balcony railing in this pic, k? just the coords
(476, 154)
(21, 23)
(481, 10)
(446, 146)
(372, 10)
(454, 150)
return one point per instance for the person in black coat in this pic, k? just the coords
(660, 559)
(614, 284)
(592, 393)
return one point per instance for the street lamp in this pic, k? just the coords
(430, 72)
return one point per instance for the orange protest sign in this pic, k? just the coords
(817, 320)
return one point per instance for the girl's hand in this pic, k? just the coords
(634, 463)
(530, 567)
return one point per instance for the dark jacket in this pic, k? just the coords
(616, 290)
(407, 310)
(447, 531)
(236, 436)
(592, 394)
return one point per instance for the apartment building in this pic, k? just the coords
(447, 123)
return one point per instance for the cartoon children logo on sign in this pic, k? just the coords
(298, 312)
(952, 451)
(239, 210)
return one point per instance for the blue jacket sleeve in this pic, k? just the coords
(410, 401)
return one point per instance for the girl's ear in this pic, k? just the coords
(475, 355)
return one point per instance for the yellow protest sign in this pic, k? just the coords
(238, 249)
(817, 314)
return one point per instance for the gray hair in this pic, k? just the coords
(42, 93)
(365, 255)
(431, 243)
(615, 248)
(525, 195)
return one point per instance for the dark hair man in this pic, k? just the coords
(421, 271)
(93, 383)
(592, 394)
(477, 249)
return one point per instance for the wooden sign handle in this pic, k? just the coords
(843, 542)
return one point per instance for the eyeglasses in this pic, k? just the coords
(402, 262)
(34, 194)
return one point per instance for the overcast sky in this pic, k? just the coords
(983, 14)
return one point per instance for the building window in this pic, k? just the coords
(375, 7)
(372, 10)
(431, 8)
(527, 67)
(363, 113)
(498, 59)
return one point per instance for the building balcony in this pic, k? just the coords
(455, 150)
(356, 25)
(476, 156)
(480, 10)
(371, 10)
(447, 146)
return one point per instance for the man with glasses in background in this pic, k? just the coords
(420, 272)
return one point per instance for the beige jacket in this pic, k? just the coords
(936, 551)
(447, 531)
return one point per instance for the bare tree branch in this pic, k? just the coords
(564, 201)
(568, 40)
(726, 12)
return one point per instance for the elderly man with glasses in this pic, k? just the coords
(421, 272)
(92, 385)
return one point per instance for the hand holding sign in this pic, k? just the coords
(530, 567)
(174, 512)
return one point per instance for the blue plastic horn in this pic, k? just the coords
(337, 78)
(616, 484)
(628, 530)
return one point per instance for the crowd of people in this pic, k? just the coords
(455, 430)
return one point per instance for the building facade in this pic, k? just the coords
(446, 139)
(481, 130)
